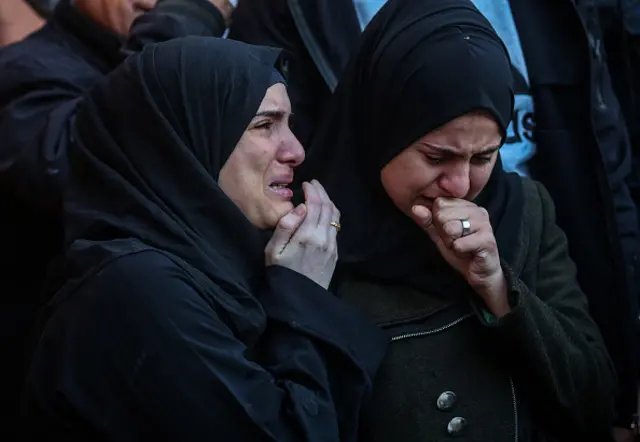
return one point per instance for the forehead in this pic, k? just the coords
(276, 98)
(470, 133)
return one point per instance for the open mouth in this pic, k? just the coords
(281, 190)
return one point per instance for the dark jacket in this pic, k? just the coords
(620, 23)
(155, 356)
(42, 80)
(538, 374)
(582, 149)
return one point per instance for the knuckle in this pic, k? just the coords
(440, 203)
(457, 247)
(440, 217)
(484, 214)
(450, 228)
(287, 223)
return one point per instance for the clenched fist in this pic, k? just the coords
(464, 236)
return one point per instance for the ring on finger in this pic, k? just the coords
(466, 227)
(336, 224)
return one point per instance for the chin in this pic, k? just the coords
(276, 213)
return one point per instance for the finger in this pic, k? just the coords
(443, 203)
(333, 230)
(322, 193)
(424, 218)
(333, 212)
(448, 221)
(479, 244)
(313, 203)
(284, 231)
(309, 226)
(326, 215)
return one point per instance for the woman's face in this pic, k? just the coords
(115, 15)
(454, 161)
(260, 168)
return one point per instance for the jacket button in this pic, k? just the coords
(456, 426)
(446, 401)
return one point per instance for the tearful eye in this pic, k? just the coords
(482, 160)
(434, 160)
(267, 125)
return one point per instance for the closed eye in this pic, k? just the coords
(264, 125)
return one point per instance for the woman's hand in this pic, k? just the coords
(463, 234)
(305, 239)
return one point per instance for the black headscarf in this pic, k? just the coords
(150, 143)
(420, 64)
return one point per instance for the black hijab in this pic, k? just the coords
(150, 143)
(420, 64)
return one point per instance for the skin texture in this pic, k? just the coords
(115, 15)
(118, 15)
(17, 20)
(266, 155)
(434, 180)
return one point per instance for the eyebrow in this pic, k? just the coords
(278, 114)
(447, 151)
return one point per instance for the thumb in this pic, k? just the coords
(424, 218)
(285, 229)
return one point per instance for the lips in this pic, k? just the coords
(279, 187)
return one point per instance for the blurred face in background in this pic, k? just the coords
(115, 15)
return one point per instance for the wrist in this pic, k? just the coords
(495, 295)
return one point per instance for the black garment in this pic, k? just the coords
(403, 83)
(169, 327)
(381, 107)
(582, 149)
(619, 22)
(541, 371)
(42, 80)
(318, 34)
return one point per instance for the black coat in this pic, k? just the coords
(582, 149)
(154, 356)
(541, 372)
(42, 80)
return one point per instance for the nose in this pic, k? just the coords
(291, 151)
(456, 181)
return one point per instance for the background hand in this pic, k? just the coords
(304, 239)
(226, 9)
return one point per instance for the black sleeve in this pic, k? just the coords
(616, 153)
(552, 345)
(173, 19)
(141, 353)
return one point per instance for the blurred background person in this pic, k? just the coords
(43, 79)
(17, 20)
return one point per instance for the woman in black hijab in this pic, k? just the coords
(460, 263)
(168, 325)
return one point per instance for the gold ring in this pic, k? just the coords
(335, 224)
